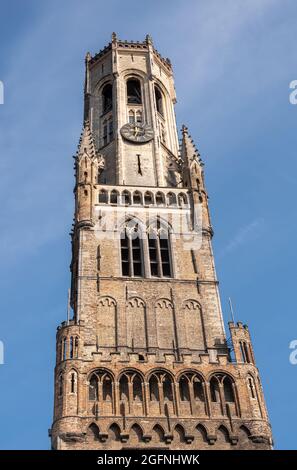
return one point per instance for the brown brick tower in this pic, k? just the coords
(145, 362)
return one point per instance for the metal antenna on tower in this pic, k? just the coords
(231, 309)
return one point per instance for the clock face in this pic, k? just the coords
(137, 132)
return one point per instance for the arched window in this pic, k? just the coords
(171, 198)
(138, 116)
(133, 91)
(73, 382)
(160, 380)
(61, 382)
(114, 197)
(100, 381)
(76, 341)
(71, 349)
(103, 196)
(190, 385)
(184, 389)
(148, 198)
(214, 390)
(182, 200)
(64, 349)
(224, 384)
(198, 389)
(107, 98)
(154, 389)
(107, 388)
(167, 388)
(228, 390)
(124, 388)
(137, 388)
(159, 251)
(93, 388)
(131, 251)
(126, 197)
(251, 387)
(160, 199)
(159, 101)
(137, 197)
(131, 116)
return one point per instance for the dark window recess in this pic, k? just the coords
(113, 197)
(103, 197)
(153, 257)
(93, 389)
(164, 250)
(131, 254)
(72, 383)
(228, 391)
(107, 98)
(136, 255)
(159, 101)
(133, 91)
(184, 389)
(125, 255)
(198, 390)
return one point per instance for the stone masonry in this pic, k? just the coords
(145, 362)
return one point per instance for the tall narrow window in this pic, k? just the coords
(228, 390)
(131, 252)
(139, 117)
(153, 257)
(159, 251)
(131, 117)
(159, 101)
(72, 381)
(61, 381)
(184, 389)
(93, 388)
(103, 197)
(71, 349)
(64, 353)
(125, 254)
(107, 98)
(133, 91)
(165, 261)
(167, 389)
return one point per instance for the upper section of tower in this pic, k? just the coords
(129, 102)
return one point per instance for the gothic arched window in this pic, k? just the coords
(100, 386)
(159, 251)
(159, 101)
(114, 196)
(103, 196)
(131, 251)
(107, 98)
(133, 91)
(228, 390)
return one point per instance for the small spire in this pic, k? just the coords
(189, 151)
(114, 37)
(148, 39)
(86, 142)
(88, 57)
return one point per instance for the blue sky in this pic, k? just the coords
(233, 63)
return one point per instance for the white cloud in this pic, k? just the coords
(243, 236)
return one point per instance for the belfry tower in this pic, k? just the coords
(145, 361)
